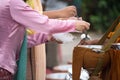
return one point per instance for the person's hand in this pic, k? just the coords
(64, 13)
(52, 39)
(69, 11)
(81, 25)
(88, 42)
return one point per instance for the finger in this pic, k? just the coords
(74, 10)
(86, 25)
(80, 18)
(73, 7)
(82, 28)
(73, 13)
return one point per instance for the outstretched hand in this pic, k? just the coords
(69, 11)
(88, 42)
(82, 25)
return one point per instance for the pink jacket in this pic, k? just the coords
(15, 17)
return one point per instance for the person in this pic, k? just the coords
(15, 17)
(53, 49)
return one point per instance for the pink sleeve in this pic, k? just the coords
(30, 18)
(36, 39)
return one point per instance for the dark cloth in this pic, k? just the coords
(83, 57)
(86, 58)
(5, 75)
(112, 70)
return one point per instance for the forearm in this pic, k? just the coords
(37, 38)
(31, 19)
(52, 14)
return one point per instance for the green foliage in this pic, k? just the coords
(100, 13)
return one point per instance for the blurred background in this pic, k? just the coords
(100, 13)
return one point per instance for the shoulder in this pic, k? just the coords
(17, 3)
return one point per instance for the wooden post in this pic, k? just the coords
(38, 52)
(40, 62)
